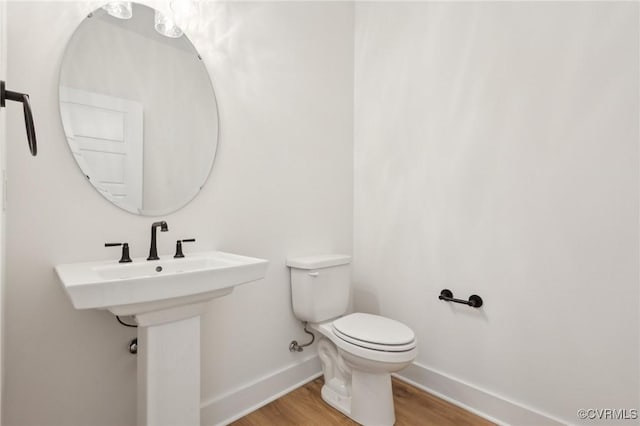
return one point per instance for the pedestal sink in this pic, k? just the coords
(167, 298)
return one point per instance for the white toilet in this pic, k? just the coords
(358, 351)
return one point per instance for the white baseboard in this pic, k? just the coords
(239, 402)
(485, 404)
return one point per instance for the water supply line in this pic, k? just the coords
(294, 346)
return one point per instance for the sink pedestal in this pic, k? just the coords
(169, 366)
(167, 298)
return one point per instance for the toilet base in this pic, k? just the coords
(339, 402)
(371, 403)
(372, 399)
(363, 395)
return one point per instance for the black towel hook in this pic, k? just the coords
(28, 116)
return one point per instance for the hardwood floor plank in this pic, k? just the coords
(304, 407)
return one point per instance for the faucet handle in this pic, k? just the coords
(125, 251)
(179, 253)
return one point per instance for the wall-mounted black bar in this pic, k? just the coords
(28, 116)
(474, 301)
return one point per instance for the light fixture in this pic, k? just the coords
(119, 9)
(166, 26)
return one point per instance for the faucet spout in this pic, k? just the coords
(153, 250)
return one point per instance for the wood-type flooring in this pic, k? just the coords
(305, 407)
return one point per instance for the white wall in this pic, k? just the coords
(281, 185)
(3, 137)
(496, 152)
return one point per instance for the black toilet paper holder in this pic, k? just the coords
(474, 301)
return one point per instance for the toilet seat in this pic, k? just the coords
(358, 349)
(374, 332)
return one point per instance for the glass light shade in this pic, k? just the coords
(119, 9)
(166, 26)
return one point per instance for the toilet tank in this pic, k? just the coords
(320, 286)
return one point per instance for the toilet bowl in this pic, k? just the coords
(361, 388)
(358, 351)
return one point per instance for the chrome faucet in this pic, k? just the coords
(153, 251)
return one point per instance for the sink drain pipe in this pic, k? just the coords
(133, 344)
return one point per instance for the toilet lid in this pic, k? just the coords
(374, 331)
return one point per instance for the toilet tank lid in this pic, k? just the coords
(319, 261)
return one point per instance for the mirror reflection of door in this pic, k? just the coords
(105, 134)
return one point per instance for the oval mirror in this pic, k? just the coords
(138, 109)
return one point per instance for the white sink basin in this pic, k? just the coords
(144, 286)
